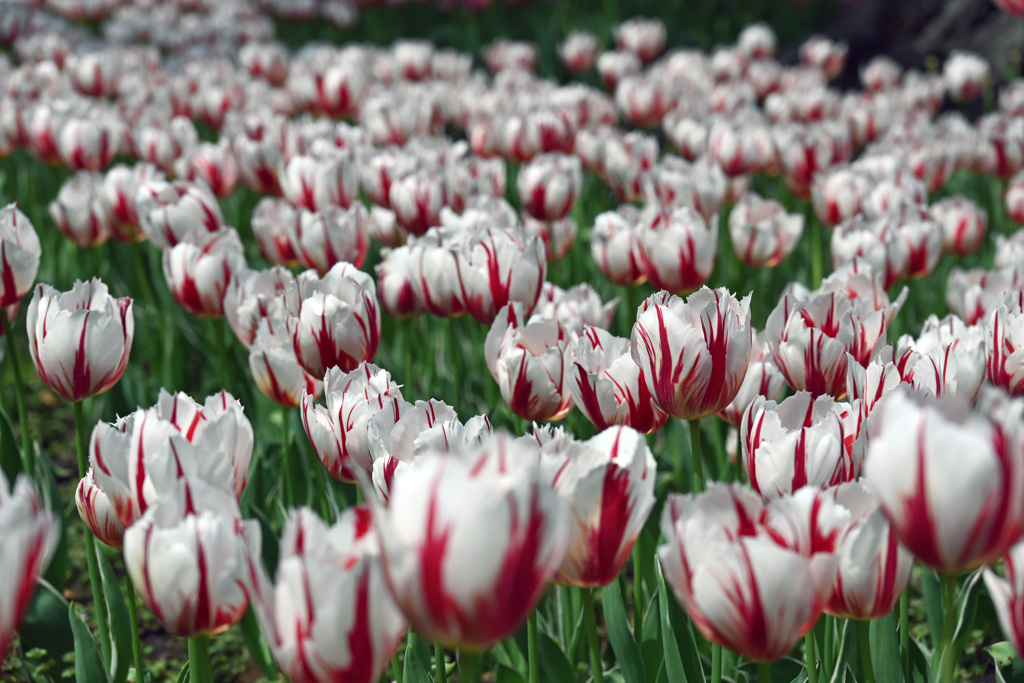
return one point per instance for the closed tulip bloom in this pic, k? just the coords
(417, 199)
(802, 441)
(810, 336)
(317, 181)
(575, 308)
(79, 212)
(472, 177)
(608, 386)
(336, 321)
(964, 224)
(470, 540)
(328, 616)
(578, 51)
(742, 589)
(188, 558)
(96, 510)
(161, 142)
(394, 284)
(169, 211)
(740, 148)
(19, 255)
(1008, 593)
(947, 357)
(965, 75)
(615, 65)
(273, 222)
(822, 53)
(118, 192)
(608, 484)
(252, 295)
(950, 480)
(757, 41)
(338, 430)
(762, 379)
(762, 233)
(974, 294)
(1004, 344)
(642, 36)
(548, 185)
(213, 164)
(694, 353)
(530, 362)
(677, 249)
(998, 145)
(379, 171)
(1013, 198)
(79, 340)
(199, 268)
(614, 243)
(28, 536)
(275, 367)
(872, 567)
(89, 143)
(838, 195)
(433, 271)
(329, 236)
(499, 266)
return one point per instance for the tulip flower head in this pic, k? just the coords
(19, 255)
(199, 268)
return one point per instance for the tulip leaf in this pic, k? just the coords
(967, 609)
(88, 664)
(505, 674)
(9, 462)
(920, 669)
(183, 675)
(57, 571)
(619, 634)
(256, 645)
(413, 668)
(650, 640)
(553, 664)
(118, 619)
(686, 640)
(673, 662)
(931, 587)
(885, 649)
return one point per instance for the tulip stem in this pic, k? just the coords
(133, 616)
(810, 658)
(396, 669)
(764, 672)
(864, 641)
(199, 667)
(27, 459)
(815, 227)
(905, 632)
(453, 361)
(594, 640)
(286, 452)
(947, 665)
(98, 600)
(533, 653)
(222, 352)
(698, 460)
(440, 673)
(638, 585)
(716, 663)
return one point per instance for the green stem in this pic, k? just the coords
(222, 352)
(716, 663)
(828, 657)
(947, 665)
(810, 658)
(764, 672)
(905, 632)
(98, 600)
(638, 585)
(286, 454)
(698, 460)
(815, 227)
(453, 361)
(396, 669)
(864, 641)
(27, 453)
(440, 674)
(199, 667)
(133, 616)
(533, 652)
(593, 639)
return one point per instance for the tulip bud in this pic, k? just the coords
(762, 233)
(677, 249)
(19, 255)
(199, 268)
(275, 367)
(79, 212)
(578, 51)
(330, 236)
(499, 266)
(548, 186)
(169, 211)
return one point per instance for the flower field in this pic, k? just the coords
(505, 341)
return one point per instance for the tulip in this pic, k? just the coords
(873, 567)
(258, 151)
(975, 294)
(381, 170)
(319, 180)
(822, 53)
(338, 431)
(97, 511)
(965, 75)
(329, 236)
(89, 143)
(615, 65)
(575, 308)
(947, 357)
(161, 142)
(963, 223)
(998, 146)
(643, 37)
(677, 249)
(252, 295)
(79, 340)
(265, 60)
(394, 284)
(627, 163)
(762, 379)
(608, 484)
(275, 367)
(273, 222)
(169, 211)
(548, 185)
(757, 41)
(578, 51)
(79, 212)
(433, 271)
(802, 441)
(417, 199)
(19, 255)
(496, 267)
(188, 557)
(329, 615)
(608, 386)
(28, 536)
(537, 131)
(213, 164)
(693, 354)
(762, 233)
(487, 507)
(472, 177)
(336, 320)
(530, 362)
(949, 480)
(1006, 593)
(614, 243)
(740, 148)
(1014, 198)
(810, 336)
(199, 268)
(743, 590)
(1003, 341)
(118, 192)
(838, 195)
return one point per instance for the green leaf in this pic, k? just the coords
(553, 664)
(505, 674)
(920, 669)
(88, 665)
(471, 665)
(673, 661)
(256, 645)
(931, 587)
(1002, 653)
(119, 620)
(57, 571)
(183, 675)
(686, 641)
(413, 669)
(619, 634)
(650, 640)
(885, 649)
